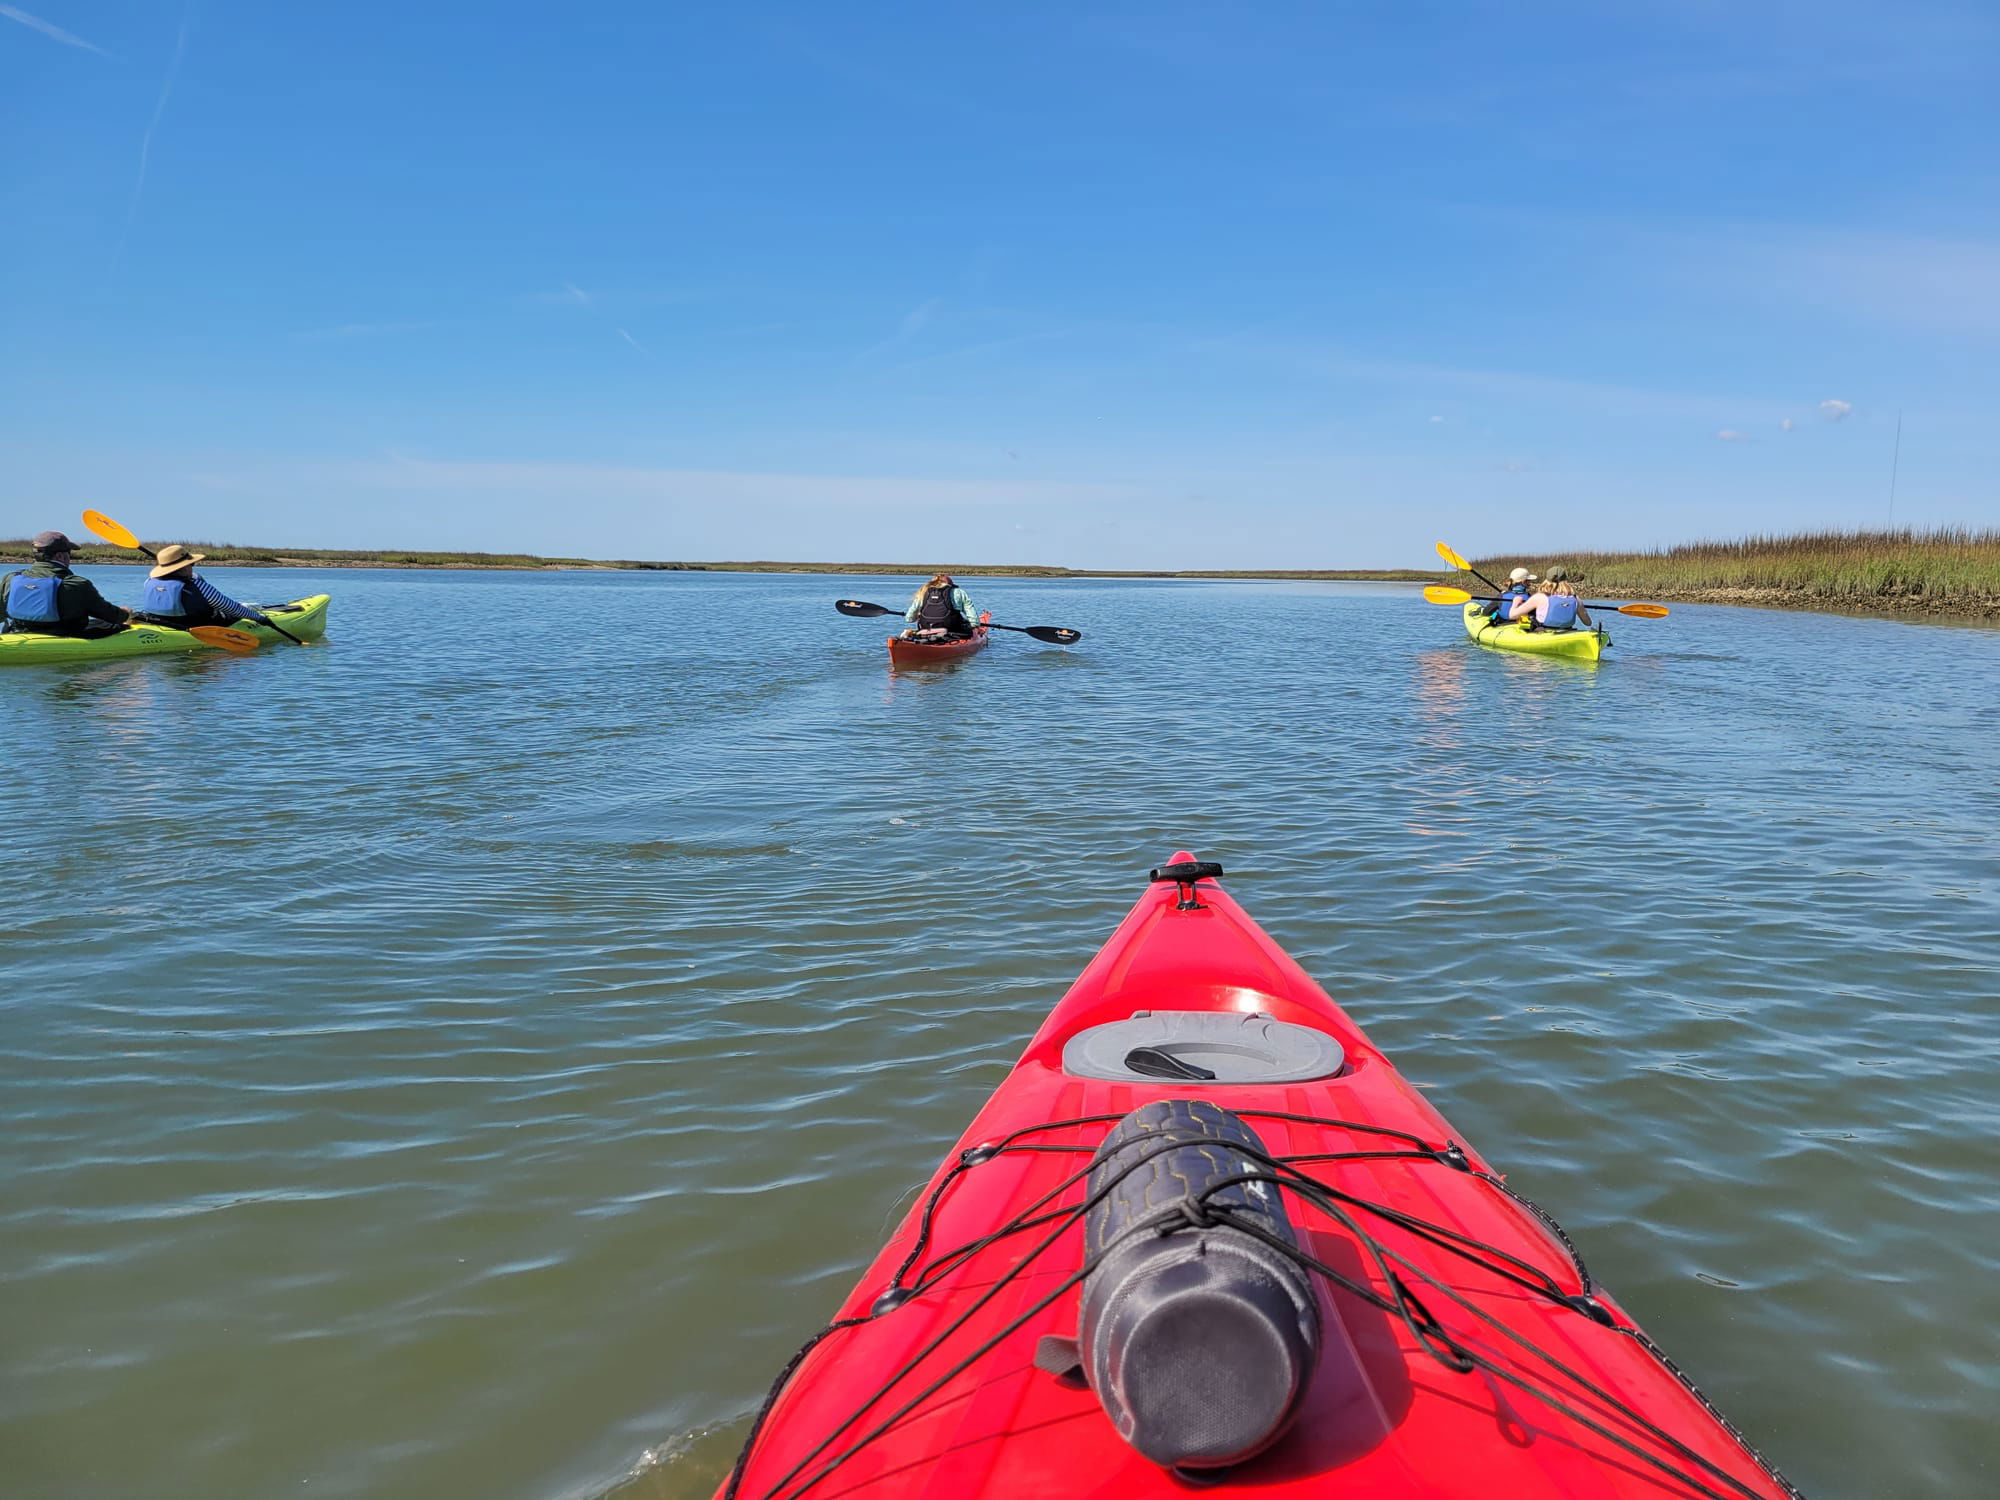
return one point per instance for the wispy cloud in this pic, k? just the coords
(1787, 425)
(711, 487)
(367, 330)
(575, 296)
(1731, 435)
(1916, 282)
(908, 327)
(152, 126)
(917, 317)
(983, 346)
(1835, 411)
(52, 32)
(1599, 398)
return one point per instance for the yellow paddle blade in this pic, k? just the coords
(1437, 593)
(1644, 611)
(110, 530)
(228, 638)
(1453, 558)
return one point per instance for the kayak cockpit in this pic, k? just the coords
(1193, 1046)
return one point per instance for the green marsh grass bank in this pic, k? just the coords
(1950, 570)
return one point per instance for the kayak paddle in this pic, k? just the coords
(1438, 593)
(121, 536)
(1055, 635)
(1465, 567)
(242, 642)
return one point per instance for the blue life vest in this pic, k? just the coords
(1508, 597)
(163, 597)
(32, 601)
(1560, 612)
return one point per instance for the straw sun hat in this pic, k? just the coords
(171, 558)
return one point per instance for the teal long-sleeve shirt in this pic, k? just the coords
(959, 602)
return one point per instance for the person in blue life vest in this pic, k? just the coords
(176, 595)
(939, 610)
(49, 599)
(1508, 606)
(1554, 606)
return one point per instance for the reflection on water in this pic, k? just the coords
(471, 1071)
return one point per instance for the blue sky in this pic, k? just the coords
(1149, 285)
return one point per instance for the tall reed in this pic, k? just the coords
(1948, 562)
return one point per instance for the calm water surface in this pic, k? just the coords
(466, 1059)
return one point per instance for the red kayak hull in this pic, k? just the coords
(908, 653)
(912, 1402)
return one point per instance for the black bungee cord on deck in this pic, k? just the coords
(1400, 1301)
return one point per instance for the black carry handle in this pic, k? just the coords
(1156, 1062)
(1187, 871)
(1184, 873)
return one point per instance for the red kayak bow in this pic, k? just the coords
(1204, 1231)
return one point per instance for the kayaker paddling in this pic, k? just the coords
(914, 646)
(48, 599)
(176, 595)
(1553, 606)
(939, 610)
(1508, 606)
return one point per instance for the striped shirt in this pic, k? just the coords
(221, 603)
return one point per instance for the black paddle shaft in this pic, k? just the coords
(1580, 604)
(1055, 635)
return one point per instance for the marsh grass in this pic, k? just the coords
(1946, 564)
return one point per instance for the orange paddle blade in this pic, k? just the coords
(1644, 611)
(227, 637)
(109, 529)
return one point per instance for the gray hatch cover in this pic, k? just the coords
(1234, 1046)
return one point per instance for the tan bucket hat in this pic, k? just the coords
(171, 558)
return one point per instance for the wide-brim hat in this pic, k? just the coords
(173, 557)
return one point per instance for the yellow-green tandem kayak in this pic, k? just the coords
(1577, 644)
(304, 618)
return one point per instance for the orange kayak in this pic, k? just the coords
(904, 652)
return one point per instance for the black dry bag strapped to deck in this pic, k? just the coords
(1198, 1338)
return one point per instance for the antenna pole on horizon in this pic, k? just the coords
(1895, 463)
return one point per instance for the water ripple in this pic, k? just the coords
(478, 1074)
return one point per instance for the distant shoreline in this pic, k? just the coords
(17, 553)
(1940, 575)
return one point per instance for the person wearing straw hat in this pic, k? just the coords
(49, 599)
(176, 595)
(1520, 585)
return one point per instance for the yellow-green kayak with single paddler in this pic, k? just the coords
(1577, 643)
(304, 618)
